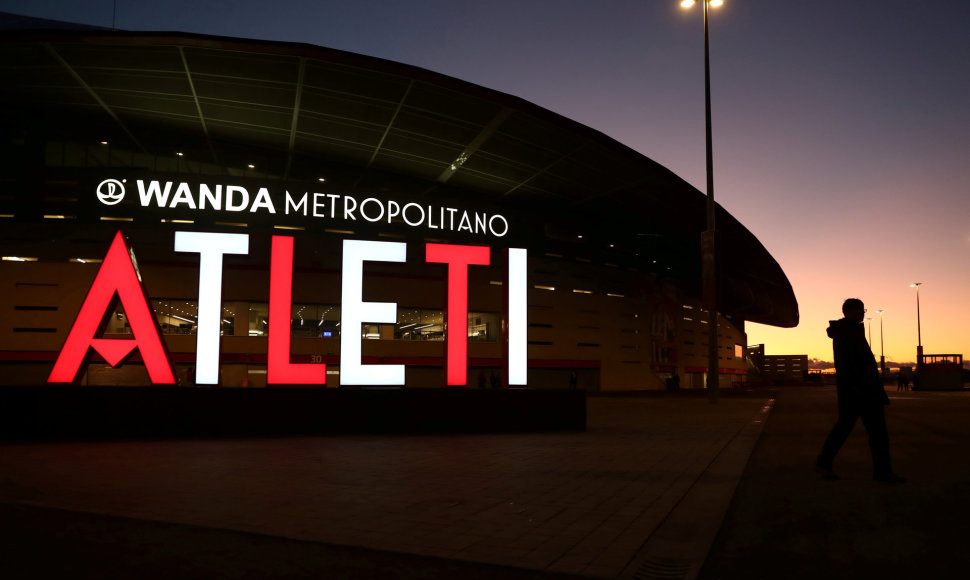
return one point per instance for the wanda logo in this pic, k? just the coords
(111, 191)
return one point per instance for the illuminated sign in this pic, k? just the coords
(118, 279)
(211, 248)
(279, 369)
(354, 312)
(188, 197)
(111, 192)
(458, 258)
(517, 312)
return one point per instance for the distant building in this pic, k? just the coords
(778, 367)
(940, 372)
(785, 367)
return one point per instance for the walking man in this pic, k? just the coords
(861, 395)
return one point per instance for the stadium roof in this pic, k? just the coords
(305, 111)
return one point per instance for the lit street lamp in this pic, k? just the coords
(882, 346)
(708, 261)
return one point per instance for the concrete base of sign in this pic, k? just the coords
(159, 412)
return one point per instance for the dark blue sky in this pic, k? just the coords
(841, 129)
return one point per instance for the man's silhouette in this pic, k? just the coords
(861, 394)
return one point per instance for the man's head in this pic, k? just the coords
(853, 309)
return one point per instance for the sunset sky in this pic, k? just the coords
(841, 129)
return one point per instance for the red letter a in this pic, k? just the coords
(116, 276)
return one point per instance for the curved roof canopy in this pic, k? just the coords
(306, 112)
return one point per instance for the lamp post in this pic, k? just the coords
(869, 329)
(708, 260)
(882, 345)
(919, 336)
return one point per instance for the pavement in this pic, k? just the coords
(784, 522)
(659, 486)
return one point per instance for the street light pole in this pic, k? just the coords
(708, 238)
(869, 322)
(919, 336)
(882, 345)
(713, 370)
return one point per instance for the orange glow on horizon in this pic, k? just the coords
(943, 313)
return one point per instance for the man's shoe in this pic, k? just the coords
(888, 478)
(826, 473)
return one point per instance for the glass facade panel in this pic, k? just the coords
(258, 319)
(315, 320)
(370, 331)
(311, 321)
(428, 324)
(118, 322)
(306, 320)
(419, 324)
(173, 316)
(182, 317)
(483, 326)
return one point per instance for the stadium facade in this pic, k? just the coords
(188, 209)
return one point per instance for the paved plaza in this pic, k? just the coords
(659, 486)
(784, 522)
(603, 502)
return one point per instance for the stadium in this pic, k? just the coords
(294, 214)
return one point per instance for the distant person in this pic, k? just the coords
(481, 380)
(861, 395)
(494, 380)
(573, 380)
(900, 382)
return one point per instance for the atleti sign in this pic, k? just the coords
(118, 279)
